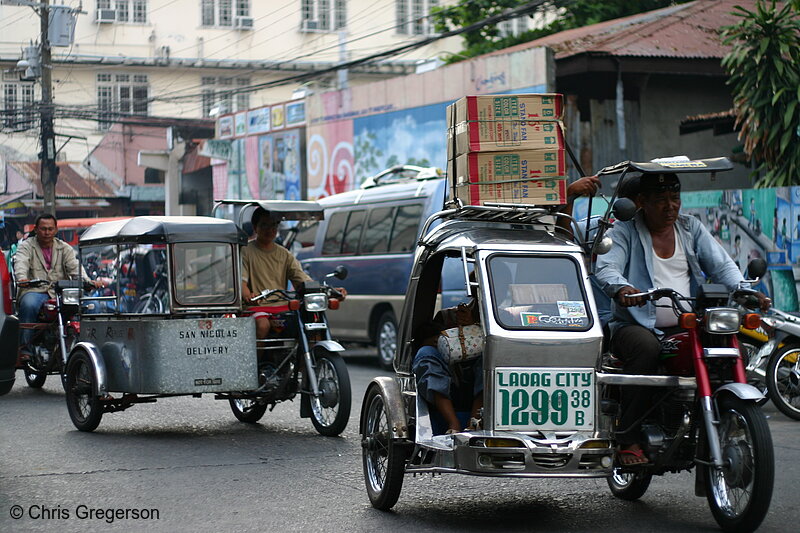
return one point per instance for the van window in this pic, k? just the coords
(333, 237)
(353, 232)
(406, 225)
(376, 234)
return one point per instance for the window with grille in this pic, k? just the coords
(119, 95)
(323, 15)
(16, 108)
(126, 10)
(413, 16)
(222, 12)
(220, 93)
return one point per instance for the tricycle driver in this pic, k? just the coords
(661, 248)
(267, 266)
(44, 257)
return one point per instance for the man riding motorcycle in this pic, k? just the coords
(44, 257)
(658, 248)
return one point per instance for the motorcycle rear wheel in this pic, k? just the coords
(83, 405)
(739, 494)
(248, 411)
(382, 459)
(629, 486)
(331, 411)
(783, 380)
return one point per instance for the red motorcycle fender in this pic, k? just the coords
(98, 365)
(743, 391)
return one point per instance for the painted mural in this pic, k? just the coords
(329, 159)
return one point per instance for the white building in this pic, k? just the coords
(193, 58)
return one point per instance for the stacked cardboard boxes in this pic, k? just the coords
(507, 149)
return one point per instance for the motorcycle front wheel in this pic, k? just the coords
(35, 380)
(248, 411)
(740, 492)
(83, 405)
(783, 380)
(331, 410)
(382, 459)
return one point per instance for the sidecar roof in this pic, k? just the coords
(671, 165)
(163, 229)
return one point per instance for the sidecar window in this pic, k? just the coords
(204, 273)
(538, 293)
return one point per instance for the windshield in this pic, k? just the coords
(538, 293)
(204, 273)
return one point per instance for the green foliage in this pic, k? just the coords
(764, 74)
(573, 14)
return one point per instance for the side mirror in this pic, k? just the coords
(604, 246)
(339, 272)
(756, 268)
(624, 209)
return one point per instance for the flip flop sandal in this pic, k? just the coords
(639, 454)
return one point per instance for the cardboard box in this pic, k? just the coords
(479, 167)
(503, 135)
(533, 192)
(521, 107)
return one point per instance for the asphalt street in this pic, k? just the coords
(186, 464)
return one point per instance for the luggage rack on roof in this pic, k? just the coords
(509, 213)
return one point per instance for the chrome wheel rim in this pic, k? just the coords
(620, 479)
(326, 406)
(244, 405)
(786, 379)
(376, 444)
(387, 341)
(732, 485)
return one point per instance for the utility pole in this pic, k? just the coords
(48, 153)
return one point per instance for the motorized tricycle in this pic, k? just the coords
(199, 341)
(549, 398)
(53, 334)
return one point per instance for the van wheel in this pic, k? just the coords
(386, 340)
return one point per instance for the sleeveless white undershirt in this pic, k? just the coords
(671, 273)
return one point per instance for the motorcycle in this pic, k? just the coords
(54, 333)
(773, 364)
(299, 356)
(707, 415)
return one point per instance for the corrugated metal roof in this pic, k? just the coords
(74, 181)
(688, 30)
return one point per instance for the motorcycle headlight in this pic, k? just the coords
(71, 296)
(722, 320)
(316, 302)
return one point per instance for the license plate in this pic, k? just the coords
(555, 399)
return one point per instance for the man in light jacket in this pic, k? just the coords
(42, 257)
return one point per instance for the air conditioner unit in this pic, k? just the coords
(104, 16)
(243, 23)
(309, 25)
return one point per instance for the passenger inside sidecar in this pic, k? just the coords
(448, 363)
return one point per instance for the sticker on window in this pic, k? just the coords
(571, 309)
(530, 319)
(541, 320)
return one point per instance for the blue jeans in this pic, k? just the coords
(29, 307)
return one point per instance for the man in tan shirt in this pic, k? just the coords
(266, 265)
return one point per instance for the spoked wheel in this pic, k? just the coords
(783, 380)
(149, 304)
(34, 379)
(629, 486)
(739, 494)
(331, 410)
(82, 404)
(248, 411)
(383, 460)
(386, 339)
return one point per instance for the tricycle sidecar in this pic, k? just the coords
(542, 342)
(172, 323)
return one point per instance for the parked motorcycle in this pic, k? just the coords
(299, 356)
(774, 359)
(706, 415)
(54, 333)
